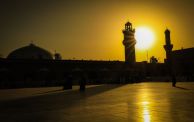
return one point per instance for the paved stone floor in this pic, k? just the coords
(142, 102)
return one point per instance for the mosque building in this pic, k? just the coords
(30, 51)
(181, 62)
(32, 66)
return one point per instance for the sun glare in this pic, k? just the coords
(144, 37)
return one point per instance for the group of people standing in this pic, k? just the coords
(69, 82)
(82, 82)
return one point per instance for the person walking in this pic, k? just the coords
(82, 83)
(174, 81)
(67, 84)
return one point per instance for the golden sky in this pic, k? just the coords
(92, 29)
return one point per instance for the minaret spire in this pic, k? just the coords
(129, 43)
(168, 46)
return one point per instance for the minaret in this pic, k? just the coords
(168, 47)
(129, 43)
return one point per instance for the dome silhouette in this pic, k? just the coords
(30, 52)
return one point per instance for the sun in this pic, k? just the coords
(144, 37)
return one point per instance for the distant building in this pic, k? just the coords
(58, 56)
(153, 60)
(30, 52)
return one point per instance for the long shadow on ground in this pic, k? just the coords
(181, 88)
(48, 102)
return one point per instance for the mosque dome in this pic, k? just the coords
(30, 52)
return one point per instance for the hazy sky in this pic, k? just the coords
(92, 29)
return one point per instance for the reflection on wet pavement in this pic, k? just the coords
(143, 102)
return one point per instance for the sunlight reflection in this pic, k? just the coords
(146, 112)
(145, 102)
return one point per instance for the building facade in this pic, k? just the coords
(179, 62)
(32, 66)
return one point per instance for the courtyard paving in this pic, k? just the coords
(141, 102)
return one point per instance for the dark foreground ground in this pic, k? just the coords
(142, 102)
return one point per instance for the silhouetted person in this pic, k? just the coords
(174, 81)
(82, 83)
(68, 83)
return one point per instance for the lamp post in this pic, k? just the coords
(147, 55)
